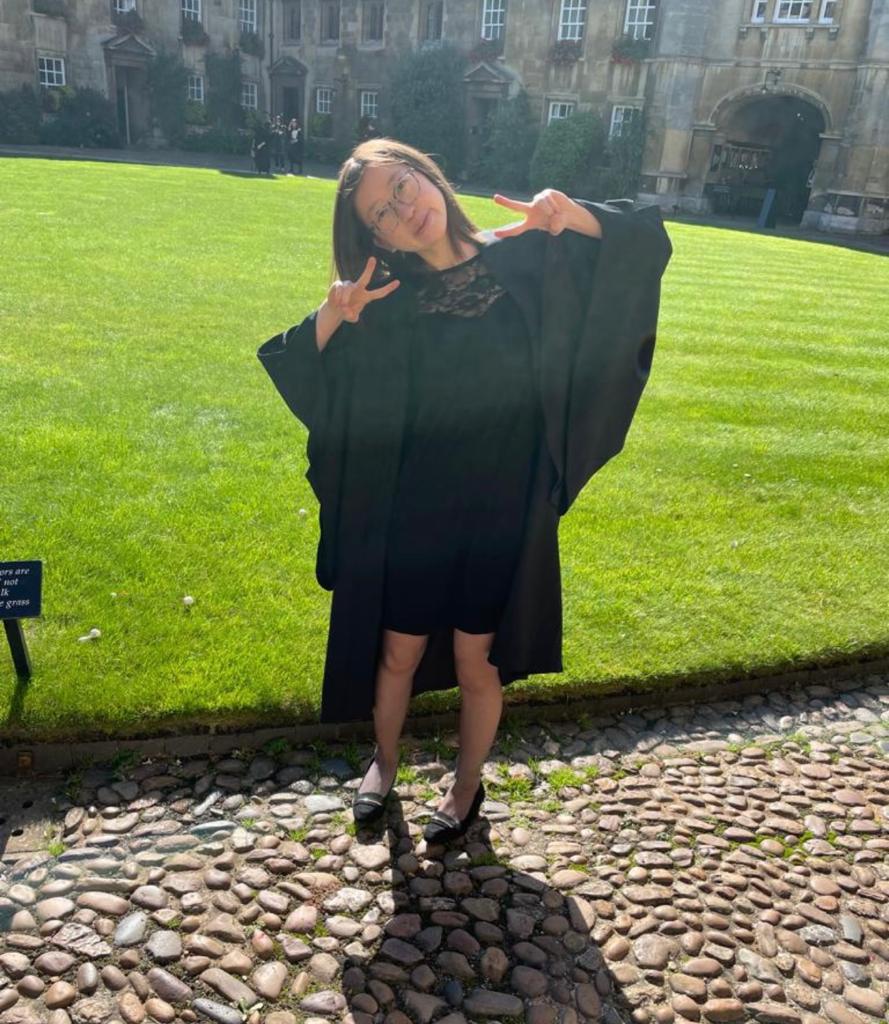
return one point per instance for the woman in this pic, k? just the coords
(437, 382)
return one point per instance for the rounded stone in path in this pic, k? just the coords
(401, 952)
(131, 929)
(326, 1002)
(54, 908)
(131, 1008)
(654, 951)
(268, 980)
(484, 1003)
(348, 900)
(217, 1011)
(589, 1002)
(160, 1011)
(865, 999)
(224, 927)
(688, 985)
(152, 897)
(60, 994)
(227, 985)
(528, 981)
(774, 1013)
(164, 947)
(168, 986)
(568, 879)
(718, 1010)
(303, 919)
(53, 962)
(104, 903)
(702, 967)
(371, 858)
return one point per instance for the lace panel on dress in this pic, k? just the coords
(465, 290)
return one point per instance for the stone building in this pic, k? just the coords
(737, 96)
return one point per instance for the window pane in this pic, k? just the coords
(571, 19)
(639, 22)
(493, 19)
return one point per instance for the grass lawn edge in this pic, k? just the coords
(431, 709)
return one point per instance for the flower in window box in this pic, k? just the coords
(486, 49)
(250, 42)
(193, 33)
(627, 50)
(128, 20)
(566, 51)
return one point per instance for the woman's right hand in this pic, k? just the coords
(348, 298)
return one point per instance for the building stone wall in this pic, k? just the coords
(708, 66)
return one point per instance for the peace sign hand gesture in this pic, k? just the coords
(348, 298)
(549, 210)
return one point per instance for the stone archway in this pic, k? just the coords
(765, 141)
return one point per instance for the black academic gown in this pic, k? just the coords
(591, 308)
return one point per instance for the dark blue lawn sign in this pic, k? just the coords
(20, 586)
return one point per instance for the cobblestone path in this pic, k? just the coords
(723, 862)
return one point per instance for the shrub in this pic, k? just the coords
(167, 79)
(217, 140)
(195, 112)
(53, 8)
(327, 151)
(513, 136)
(20, 116)
(224, 108)
(251, 43)
(566, 150)
(618, 176)
(84, 118)
(320, 126)
(427, 104)
(193, 33)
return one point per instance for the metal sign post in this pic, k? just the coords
(20, 589)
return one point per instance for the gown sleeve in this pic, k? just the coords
(304, 376)
(600, 300)
(316, 386)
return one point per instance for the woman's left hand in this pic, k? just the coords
(549, 210)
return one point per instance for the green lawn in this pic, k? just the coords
(745, 527)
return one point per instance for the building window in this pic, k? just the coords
(433, 18)
(247, 15)
(559, 110)
(330, 21)
(571, 19)
(828, 11)
(793, 10)
(51, 71)
(196, 88)
(759, 10)
(122, 6)
(249, 96)
(190, 9)
(639, 22)
(369, 103)
(493, 19)
(372, 21)
(293, 21)
(621, 119)
(323, 100)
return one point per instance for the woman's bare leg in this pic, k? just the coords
(395, 675)
(482, 703)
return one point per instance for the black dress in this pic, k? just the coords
(473, 425)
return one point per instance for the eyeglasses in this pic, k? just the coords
(405, 191)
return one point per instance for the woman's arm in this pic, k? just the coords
(327, 321)
(552, 211)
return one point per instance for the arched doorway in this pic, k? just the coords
(763, 142)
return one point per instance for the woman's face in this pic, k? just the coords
(421, 223)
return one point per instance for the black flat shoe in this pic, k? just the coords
(443, 828)
(369, 807)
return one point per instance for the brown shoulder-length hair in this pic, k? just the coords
(354, 242)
